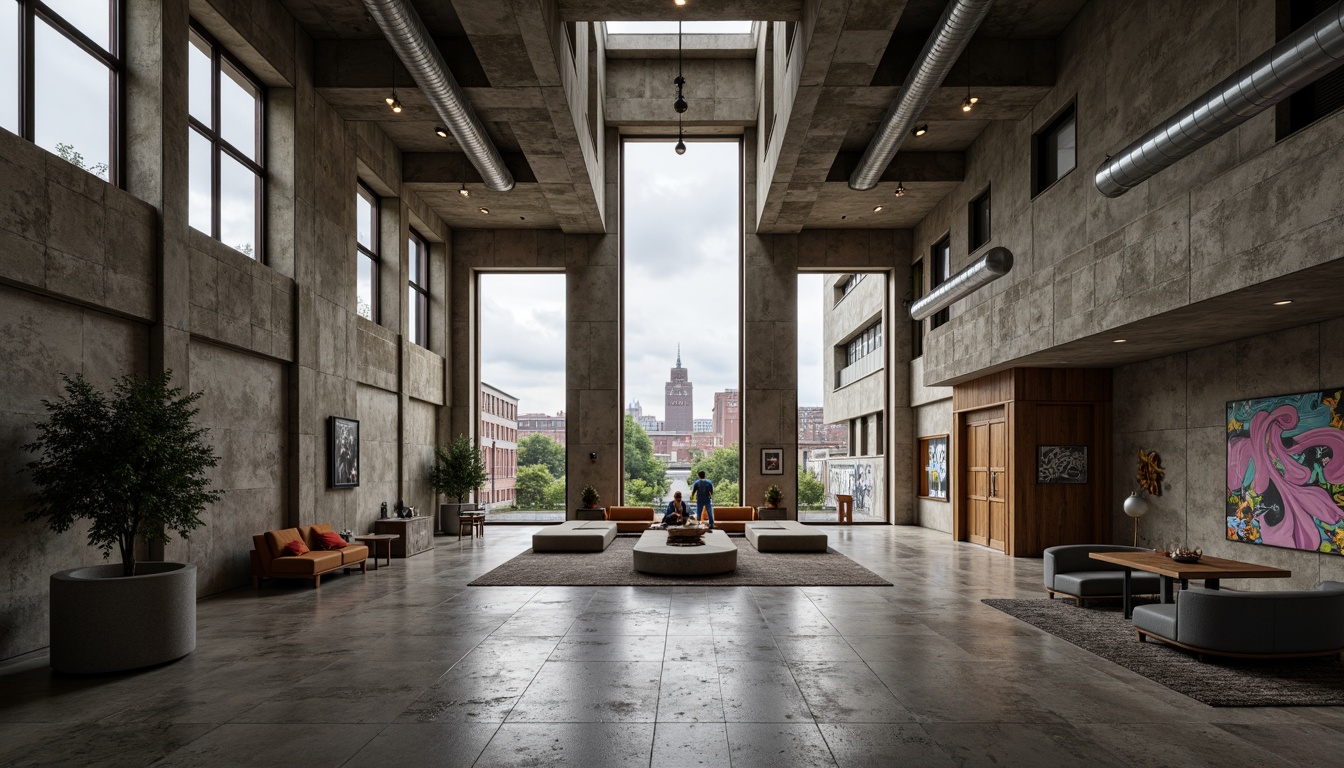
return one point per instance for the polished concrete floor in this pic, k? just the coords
(407, 666)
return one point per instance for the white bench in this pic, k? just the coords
(575, 536)
(785, 536)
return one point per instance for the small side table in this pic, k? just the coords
(473, 522)
(373, 540)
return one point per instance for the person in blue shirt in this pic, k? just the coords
(703, 493)
(677, 511)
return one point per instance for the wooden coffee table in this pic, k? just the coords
(1211, 569)
(373, 539)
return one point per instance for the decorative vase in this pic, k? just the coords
(1136, 506)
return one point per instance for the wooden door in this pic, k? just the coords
(977, 483)
(996, 499)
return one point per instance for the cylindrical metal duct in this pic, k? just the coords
(409, 38)
(996, 263)
(949, 39)
(1302, 57)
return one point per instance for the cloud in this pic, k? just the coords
(523, 339)
(811, 310)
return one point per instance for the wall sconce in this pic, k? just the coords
(592, 456)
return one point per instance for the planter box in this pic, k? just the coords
(772, 513)
(104, 622)
(417, 534)
(596, 513)
(448, 516)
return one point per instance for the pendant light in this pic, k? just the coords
(392, 101)
(970, 100)
(679, 104)
(900, 189)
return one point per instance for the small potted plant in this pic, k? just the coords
(773, 495)
(458, 470)
(772, 510)
(589, 497)
(132, 464)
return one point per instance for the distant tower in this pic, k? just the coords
(678, 398)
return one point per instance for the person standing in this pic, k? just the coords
(703, 493)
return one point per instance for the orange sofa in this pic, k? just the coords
(269, 560)
(733, 519)
(631, 519)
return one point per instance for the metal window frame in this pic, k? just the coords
(975, 239)
(940, 263)
(1050, 133)
(219, 145)
(419, 284)
(374, 254)
(28, 12)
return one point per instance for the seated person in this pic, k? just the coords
(677, 511)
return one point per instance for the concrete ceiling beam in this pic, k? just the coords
(906, 167)
(663, 10)
(454, 169)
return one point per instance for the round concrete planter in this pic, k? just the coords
(449, 522)
(102, 621)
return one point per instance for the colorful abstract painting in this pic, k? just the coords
(1285, 471)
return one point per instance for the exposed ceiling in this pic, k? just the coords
(503, 53)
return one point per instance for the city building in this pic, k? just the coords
(260, 197)
(727, 419)
(679, 400)
(649, 423)
(542, 424)
(499, 446)
(703, 425)
(813, 428)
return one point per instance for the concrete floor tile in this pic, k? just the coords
(682, 745)
(847, 692)
(690, 692)
(975, 744)
(431, 745)
(591, 692)
(873, 745)
(815, 648)
(591, 745)
(777, 745)
(761, 692)
(308, 746)
(610, 648)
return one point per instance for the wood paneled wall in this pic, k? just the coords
(1042, 406)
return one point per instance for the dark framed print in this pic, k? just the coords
(772, 461)
(343, 437)
(1066, 464)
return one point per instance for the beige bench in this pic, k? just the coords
(785, 536)
(575, 536)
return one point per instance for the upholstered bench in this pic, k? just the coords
(1225, 622)
(785, 536)
(631, 519)
(270, 559)
(733, 519)
(1069, 571)
(575, 536)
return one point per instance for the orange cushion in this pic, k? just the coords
(295, 547)
(630, 513)
(328, 540)
(278, 539)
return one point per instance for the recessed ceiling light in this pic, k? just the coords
(679, 2)
(443, 134)
(877, 209)
(921, 129)
(1121, 341)
(842, 218)
(483, 209)
(1283, 303)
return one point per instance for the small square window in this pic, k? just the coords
(1056, 149)
(979, 229)
(941, 261)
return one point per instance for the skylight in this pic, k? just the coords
(670, 27)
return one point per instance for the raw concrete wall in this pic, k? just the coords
(1176, 405)
(932, 414)
(1240, 211)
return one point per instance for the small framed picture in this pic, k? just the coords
(772, 461)
(1063, 464)
(343, 438)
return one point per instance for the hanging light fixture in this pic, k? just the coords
(464, 192)
(392, 101)
(679, 104)
(970, 100)
(900, 189)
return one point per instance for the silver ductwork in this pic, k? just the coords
(411, 41)
(949, 39)
(1298, 60)
(996, 263)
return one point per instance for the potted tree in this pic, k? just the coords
(132, 464)
(773, 495)
(458, 470)
(589, 511)
(589, 497)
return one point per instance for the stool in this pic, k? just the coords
(472, 521)
(844, 507)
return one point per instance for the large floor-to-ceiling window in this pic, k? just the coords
(521, 424)
(681, 240)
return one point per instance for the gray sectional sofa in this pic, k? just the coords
(1069, 571)
(1224, 622)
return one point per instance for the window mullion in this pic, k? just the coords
(56, 22)
(216, 203)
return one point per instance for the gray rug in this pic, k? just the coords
(1217, 682)
(615, 568)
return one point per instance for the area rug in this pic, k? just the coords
(615, 568)
(1218, 682)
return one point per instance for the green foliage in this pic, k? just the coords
(589, 496)
(67, 153)
(555, 494)
(726, 494)
(544, 450)
(725, 464)
(640, 463)
(530, 487)
(458, 469)
(810, 490)
(773, 495)
(133, 464)
(639, 493)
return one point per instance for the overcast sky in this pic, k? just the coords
(681, 286)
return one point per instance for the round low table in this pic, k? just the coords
(373, 540)
(654, 555)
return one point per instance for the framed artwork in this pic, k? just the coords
(1285, 471)
(343, 437)
(772, 461)
(933, 478)
(1066, 464)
